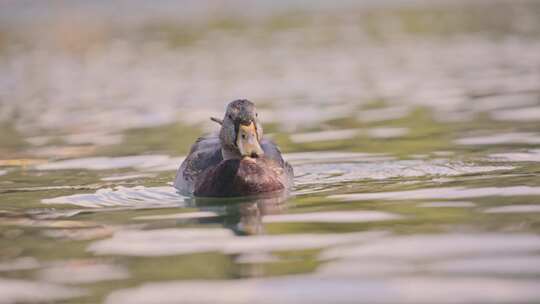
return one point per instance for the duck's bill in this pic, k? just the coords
(248, 142)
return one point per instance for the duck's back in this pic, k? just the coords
(204, 168)
(205, 153)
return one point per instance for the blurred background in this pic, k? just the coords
(413, 127)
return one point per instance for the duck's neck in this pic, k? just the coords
(228, 153)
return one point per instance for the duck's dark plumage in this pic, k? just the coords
(204, 172)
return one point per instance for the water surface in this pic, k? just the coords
(413, 130)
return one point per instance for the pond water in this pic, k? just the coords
(413, 130)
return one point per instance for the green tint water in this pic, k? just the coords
(413, 132)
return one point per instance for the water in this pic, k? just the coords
(413, 129)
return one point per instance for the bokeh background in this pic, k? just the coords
(413, 127)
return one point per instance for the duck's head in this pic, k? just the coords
(241, 131)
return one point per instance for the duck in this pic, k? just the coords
(236, 161)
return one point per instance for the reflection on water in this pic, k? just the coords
(136, 197)
(451, 204)
(331, 217)
(412, 128)
(81, 272)
(514, 209)
(304, 289)
(143, 162)
(163, 242)
(20, 291)
(526, 156)
(442, 193)
(428, 247)
(499, 139)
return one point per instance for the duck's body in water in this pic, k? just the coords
(237, 162)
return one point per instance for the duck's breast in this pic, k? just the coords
(235, 177)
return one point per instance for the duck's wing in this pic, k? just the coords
(204, 153)
(271, 151)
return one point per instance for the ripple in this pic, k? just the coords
(364, 268)
(82, 273)
(325, 173)
(300, 158)
(501, 139)
(345, 134)
(164, 242)
(140, 162)
(23, 263)
(293, 117)
(138, 197)
(521, 114)
(20, 162)
(256, 258)
(53, 224)
(519, 265)
(96, 138)
(383, 114)
(81, 234)
(62, 152)
(324, 136)
(179, 216)
(359, 267)
(411, 72)
(485, 254)
(447, 205)
(387, 132)
(529, 156)
(420, 247)
(310, 289)
(126, 177)
(503, 101)
(19, 291)
(514, 209)
(332, 217)
(46, 188)
(441, 193)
